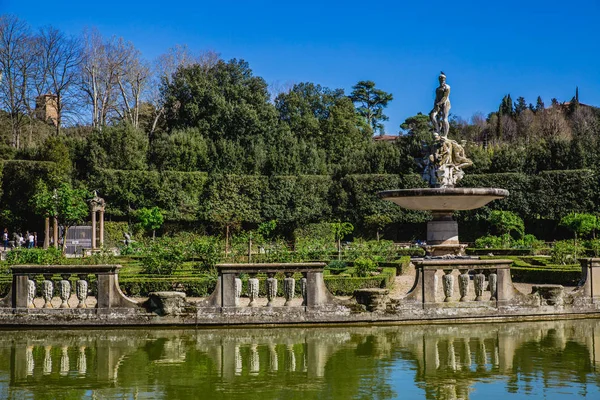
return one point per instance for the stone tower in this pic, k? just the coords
(46, 108)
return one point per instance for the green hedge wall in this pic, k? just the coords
(297, 200)
(556, 276)
(202, 287)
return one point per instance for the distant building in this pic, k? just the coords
(385, 138)
(46, 108)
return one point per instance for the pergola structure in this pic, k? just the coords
(97, 205)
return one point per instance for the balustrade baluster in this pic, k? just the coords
(81, 290)
(252, 291)
(48, 291)
(64, 290)
(303, 284)
(448, 284)
(479, 283)
(289, 286)
(31, 289)
(271, 289)
(463, 284)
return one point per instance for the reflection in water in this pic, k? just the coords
(541, 359)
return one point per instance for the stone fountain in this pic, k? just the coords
(443, 163)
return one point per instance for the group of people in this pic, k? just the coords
(19, 240)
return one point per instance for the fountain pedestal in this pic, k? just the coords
(442, 236)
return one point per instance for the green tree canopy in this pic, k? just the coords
(150, 219)
(580, 224)
(371, 102)
(66, 203)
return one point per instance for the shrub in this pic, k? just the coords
(205, 251)
(35, 256)
(364, 266)
(337, 266)
(566, 252)
(163, 256)
(489, 242)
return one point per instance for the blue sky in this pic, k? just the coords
(487, 49)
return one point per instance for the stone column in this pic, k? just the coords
(101, 228)
(46, 232)
(93, 229)
(429, 285)
(228, 290)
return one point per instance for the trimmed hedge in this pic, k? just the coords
(202, 286)
(499, 252)
(345, 286)
(556, 276)
(193, 287)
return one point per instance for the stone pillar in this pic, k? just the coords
(46, 232)
(590, 268)
(429, 285)
(55, 231)
(20, 291)
(228, 290)
(101, 212)
(93, 229)
(504, 287)
(105, 289)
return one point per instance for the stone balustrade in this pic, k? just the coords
(57, 282)
(229, 284)
(491, 276)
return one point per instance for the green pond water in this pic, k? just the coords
(546, 360)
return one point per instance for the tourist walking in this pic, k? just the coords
(31, 241)
(5, 238)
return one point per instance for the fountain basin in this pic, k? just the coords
(443, 200)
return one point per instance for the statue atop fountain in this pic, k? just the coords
(443, 161)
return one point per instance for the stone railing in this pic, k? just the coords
(487, 276)
(57, 280)
(229, 285)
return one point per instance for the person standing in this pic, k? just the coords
(30, 241)
(5, 238)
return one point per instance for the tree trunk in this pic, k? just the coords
(339, 246)
(64, 239)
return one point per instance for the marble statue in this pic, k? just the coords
(441, 107)
(443, 161)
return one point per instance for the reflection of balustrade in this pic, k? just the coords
(491, 276)
(312, 287)
(57, 281)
